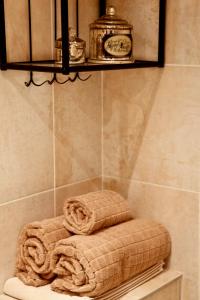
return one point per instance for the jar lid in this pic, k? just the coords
(110, 19)
(72, 39)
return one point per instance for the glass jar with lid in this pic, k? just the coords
(111, 39)
(76, 49)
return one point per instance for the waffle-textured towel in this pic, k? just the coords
(35, 244)
(17, 289)
(92, 265)
(93, 211)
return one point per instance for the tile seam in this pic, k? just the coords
(77, 182)
(54, 152)
(199, 246)
(102, 128)
(46, 191)
(154, 184)
(27, 197)
(184, 66)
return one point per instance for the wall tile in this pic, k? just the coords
(92, 8)
(143, 15)
(26, 150)
(151, 126)
(183, 38)
(12, 217)
(118, 185)
(75, 189)
(179, 212)
(128, 99)
(169, 153)
(71, 15)
(17, 35)
(78, 130)
(43, 30)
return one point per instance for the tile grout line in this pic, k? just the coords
(102, 128)
(182, 65)
(165, 186)
(199, 238)
(77, 182)
(153, 184)
(28, 196)
(46, 191)
(54, 152)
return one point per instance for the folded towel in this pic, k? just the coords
(17, 289)
(35, 245)
(91, 265)
(126, 287)
(93, 211)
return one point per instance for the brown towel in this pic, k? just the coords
(35, 245)
(92, 265)
(93, 211)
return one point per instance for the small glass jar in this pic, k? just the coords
(111, 39)
(76, 49)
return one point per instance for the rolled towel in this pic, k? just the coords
(35, 245)
(15, 288)
(91, 265)
(93, 211)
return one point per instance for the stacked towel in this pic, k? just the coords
(88, 213)
(91, 265)
(35, 245)
(102, 259)
(18, 290)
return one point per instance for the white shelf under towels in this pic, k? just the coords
(167, 283)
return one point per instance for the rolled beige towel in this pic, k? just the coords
(35, 245)
(91, 265)
(93, 211)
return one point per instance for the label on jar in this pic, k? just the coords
(118, 45)
(75, 52)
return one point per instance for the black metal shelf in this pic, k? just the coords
(51, 67)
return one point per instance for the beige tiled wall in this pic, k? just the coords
(143, 15)
(78, 130)
(183, 38)
(26, 148)
(50, 137)
(17, 38)
(151, 135)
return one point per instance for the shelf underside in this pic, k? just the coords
(51, 67)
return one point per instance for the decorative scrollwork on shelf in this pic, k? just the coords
(55, 79)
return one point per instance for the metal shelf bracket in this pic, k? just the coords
(65, 68)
